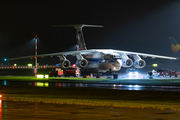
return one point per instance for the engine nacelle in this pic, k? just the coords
(81, 63)
(127, 62)
(65, 63)
(139, 63)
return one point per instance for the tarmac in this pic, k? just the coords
(11, 110)
(40, 111)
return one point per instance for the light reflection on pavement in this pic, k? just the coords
(93, 85)
(140, 82)
(10, 110)
(145, 76)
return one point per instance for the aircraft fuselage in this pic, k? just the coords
(104, 62)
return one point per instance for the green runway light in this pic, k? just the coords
(5, 59)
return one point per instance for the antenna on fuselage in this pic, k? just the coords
(79, 33)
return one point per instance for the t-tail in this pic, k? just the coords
(174, 45)
(79, 35)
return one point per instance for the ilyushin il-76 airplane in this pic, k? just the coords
(100, 59)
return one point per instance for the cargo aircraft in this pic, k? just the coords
(100, 59)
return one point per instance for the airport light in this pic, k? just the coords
(15, 65)
(0, 96)
(5, 59)
(36, 50)
(40, 76)
(154, 65)
(74, 65)
(46, 76)
(35, 69)
(29, 65)
(5, 83)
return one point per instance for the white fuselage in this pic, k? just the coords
(104, 61)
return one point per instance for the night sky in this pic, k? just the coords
(132, 25)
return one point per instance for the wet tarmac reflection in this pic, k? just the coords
(92, 85)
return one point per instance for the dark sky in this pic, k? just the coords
(132, 25)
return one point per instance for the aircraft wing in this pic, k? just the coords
(56, 54)
(136, 53)
(93, 51)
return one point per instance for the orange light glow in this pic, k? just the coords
(74, 65)
(0, 109)
(0, 96)
(174, 48)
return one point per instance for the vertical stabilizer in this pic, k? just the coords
(79, 34)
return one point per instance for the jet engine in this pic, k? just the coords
(65, 63)
(81, 63)
(126, 61)
(138, 63)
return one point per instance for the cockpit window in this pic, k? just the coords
(116, 56)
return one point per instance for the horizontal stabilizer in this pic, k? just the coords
(77, 25)
(79, 34)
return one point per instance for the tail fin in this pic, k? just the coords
(79, 35)
(174, 45)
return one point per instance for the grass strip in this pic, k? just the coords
(32, 78)
(159, 82)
